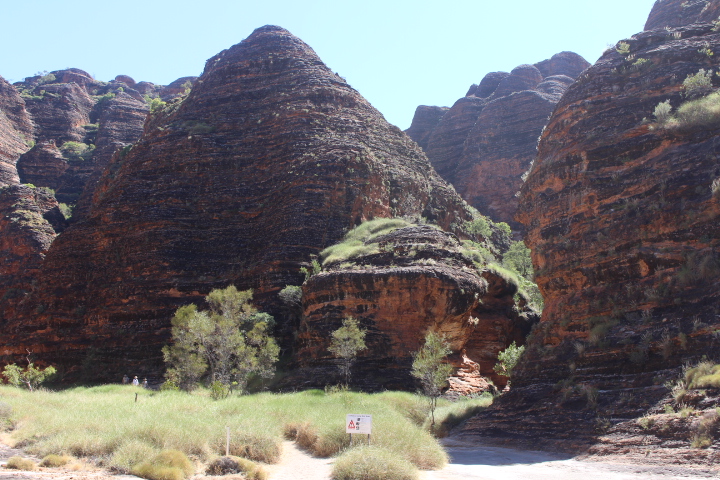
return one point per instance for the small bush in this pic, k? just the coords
(703, 112)
(623, 48)
(698, 82)
(372, 463)
(231, 464)
(662, 112)
(167, 465)
(19, 463)
(704, 375)
(55, 461)
(700, 441)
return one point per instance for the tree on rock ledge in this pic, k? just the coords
(227, 344)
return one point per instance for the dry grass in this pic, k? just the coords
(19, 463)
(105, 423)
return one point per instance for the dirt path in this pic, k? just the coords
(296, 464)
(478, 462)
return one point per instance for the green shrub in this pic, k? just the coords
(698, 82)
(19, 463)
(623, 48)
(66, 210)
(372, 463)
(55, 461)
(167, 465)
(662, 112)
(703, 375)
(77, 151)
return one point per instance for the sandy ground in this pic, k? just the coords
(478, 462)
(469, 461)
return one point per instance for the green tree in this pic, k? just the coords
(430, 368)
(31, 376)
(229, 342)
(347, 341)
(517, 258)
(508, 359)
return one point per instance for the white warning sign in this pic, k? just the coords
(355, 423)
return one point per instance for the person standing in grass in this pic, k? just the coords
(145, 383)
(125, 379)
(135, 382)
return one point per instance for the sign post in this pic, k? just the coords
(358, 423)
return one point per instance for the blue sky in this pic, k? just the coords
(397, 53)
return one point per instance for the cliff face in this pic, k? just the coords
(621, 209)
(29, 218)
(269, 159)
(70, 106)
(16, 131)
(678, 13)
(488, 139)
(418, 281)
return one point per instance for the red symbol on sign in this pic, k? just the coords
(352, 424)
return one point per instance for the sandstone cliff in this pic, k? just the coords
(488, 139)
(70, 106)
(29, 221)
(269, 159)
(405, 283)
(678, 13)
(621, 209)
(16, 132)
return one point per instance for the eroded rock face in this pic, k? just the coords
(678, 13)
(270, 158)
(622, 218)
(488, 139)
(16, 131)
(419, 282)
(70, 106)
(424, 122)
(29, 218)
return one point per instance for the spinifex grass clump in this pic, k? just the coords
(19, 463)
(373, 463)
(107, 423)
(166, 465)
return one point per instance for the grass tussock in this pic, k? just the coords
(19, 463)
(133, 437)
(166, 465)
(703, 112)
(55, 461)
(372, 463)
(452, 414)
(231, 465)
(703, 375)
(360, 240)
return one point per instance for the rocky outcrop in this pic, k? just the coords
(269, 159)
(44, 165)
(120, 124)
(29, 218)
(70, 106)
(16, 132)
(488, 139)
(417, 280)
(424, 122)
(621, 208)
(678, 13)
